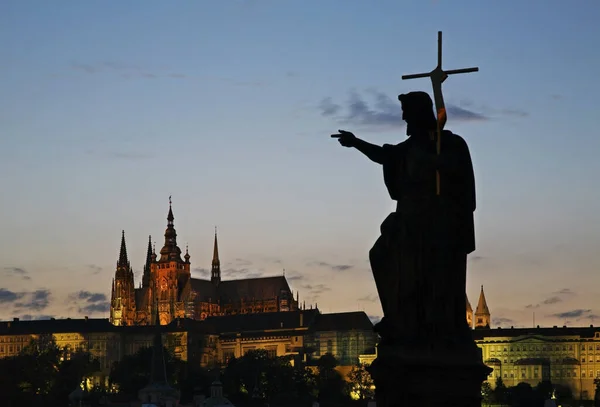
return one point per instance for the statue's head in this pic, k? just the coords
(417, 112)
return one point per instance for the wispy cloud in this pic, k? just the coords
(89, 302)
(502, 321)
(95, 269)
(316, 289)
(369, 298)
(565, 291)
(551, 300)
(576, 313)
(273, 260)
(201, 272)
(101, 307)
(381, 112)
(334, 267)
(125, 71)
(17, 272)
(514, 112)
(87, 296)
(554, 298)
(8, 296)
(133, 72)
(35, 301)
(236, 273)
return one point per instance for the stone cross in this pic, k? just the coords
(438, 76)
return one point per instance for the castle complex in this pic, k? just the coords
(169, 291)
(211, 321)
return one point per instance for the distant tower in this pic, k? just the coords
(168, 274)
(122, 301)
(469, 313)
(215, 272)
(146, 277)
(482, 313)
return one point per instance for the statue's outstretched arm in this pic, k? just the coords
(373, 152)
(348, 139)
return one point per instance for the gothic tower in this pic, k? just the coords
(146, 277)
(469, 313)
(169, 274)
(215, 272)
(482, 313)
(122, 301)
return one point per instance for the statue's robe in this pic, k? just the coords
(419, 261)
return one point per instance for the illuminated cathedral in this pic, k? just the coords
(168, 291)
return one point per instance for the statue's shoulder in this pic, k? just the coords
(393, 153)
(396, 147)
(453, 140)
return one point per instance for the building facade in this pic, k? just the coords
(208, 343)
(563, 355)
(168, 290)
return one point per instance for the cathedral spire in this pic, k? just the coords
(146, 276)
(170, 217)
(123, 261)
(482, 313)
(170, 251)
(215, 275)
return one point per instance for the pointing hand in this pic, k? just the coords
(345, 138)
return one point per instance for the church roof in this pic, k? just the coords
(247, 289)
(205, 290)
(253, 288)
(343, 321)
(89, 325)
(482, 308)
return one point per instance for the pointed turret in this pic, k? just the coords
(187, 254)
(122, 307)
(482, 313)
(170, 251)
(123, 261)
(215, 274)
(147, 274)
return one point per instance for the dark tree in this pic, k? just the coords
(43, 374)
(332, 387)
(256, 377)
(500, 391)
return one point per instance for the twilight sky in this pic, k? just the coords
(108, 108)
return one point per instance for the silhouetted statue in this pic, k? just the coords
(419, 261)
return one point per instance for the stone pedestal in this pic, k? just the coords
(427, 377)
